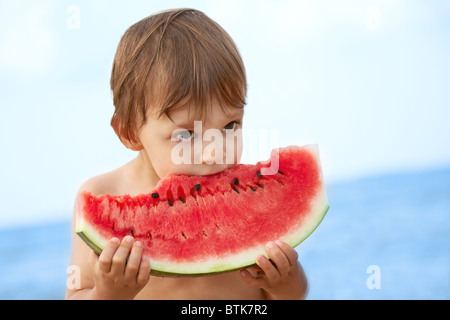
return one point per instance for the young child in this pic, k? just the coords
(170, 69)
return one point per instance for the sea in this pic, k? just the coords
(384, 237)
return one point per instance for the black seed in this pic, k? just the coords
(280, 172)
(170, 202)
(132, 232)
(236, 190)
(253, 189)
(236, 181)
(155, 195)
(197, 187)
(262, 187)
(182, 200)
(258, 174)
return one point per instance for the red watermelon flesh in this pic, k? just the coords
(191, 225)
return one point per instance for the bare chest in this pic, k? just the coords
(227, 286)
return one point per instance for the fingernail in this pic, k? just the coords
(138, 243)
(243, 274)
(115, 240)
(270, 245)
(262, 259)
(129, 239)
(278, 242)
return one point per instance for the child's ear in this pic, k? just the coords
(132, 145)
(130, 140)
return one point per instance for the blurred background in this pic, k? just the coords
(367, 80)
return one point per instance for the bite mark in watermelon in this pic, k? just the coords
(192, 225)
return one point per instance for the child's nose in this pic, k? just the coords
(212, 156)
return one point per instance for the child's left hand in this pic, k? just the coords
(281, 277)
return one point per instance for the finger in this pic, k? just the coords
(278, 257)
(144, 271)
(134, 260)
(255, 271)
(255, 282)
(105, 259)
(269, 269)
(290, 252)
(120, 256)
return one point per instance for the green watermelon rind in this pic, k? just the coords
(96, 242)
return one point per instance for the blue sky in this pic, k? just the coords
(366, 80)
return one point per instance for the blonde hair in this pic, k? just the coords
(167, 59)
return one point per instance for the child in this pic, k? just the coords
(170, 69)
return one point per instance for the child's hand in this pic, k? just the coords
(121, 271)
(282, 277)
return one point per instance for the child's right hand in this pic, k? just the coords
(121, 271)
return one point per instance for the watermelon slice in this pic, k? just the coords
(192, 225)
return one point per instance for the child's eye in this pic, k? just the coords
(183, 135)
(232, 125)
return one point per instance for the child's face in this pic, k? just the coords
(185, 147)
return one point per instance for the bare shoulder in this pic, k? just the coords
(103, 183)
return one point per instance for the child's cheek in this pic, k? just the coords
(234, 146)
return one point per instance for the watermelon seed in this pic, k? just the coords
(155, 195)
(184, 236)
(182, 200)
(262, 187)
(149, 235)
(258, 174)
(236, 181)
(236, 190)
(204, 234)
(132, 232)
(253, 189)
(170, 202)
(280, 172)
(197, 187)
